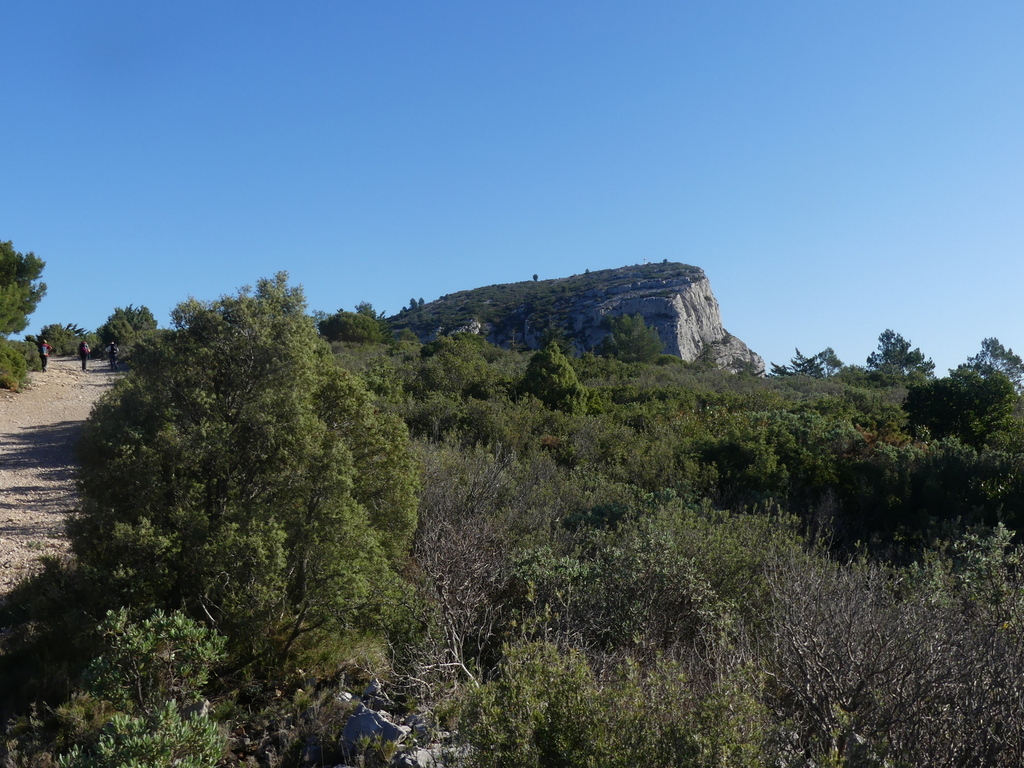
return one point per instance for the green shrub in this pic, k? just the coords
(630, 340)
(162, 738)
(165, 657)
(82, 718)
(149, 671)
(354, 328)
(656, 576)
(551, 379)
(13, 367)
(260, 490)
(126, 326)
(65, 338)
(30, 351)
(548, 708)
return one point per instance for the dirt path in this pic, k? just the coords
(38, 430)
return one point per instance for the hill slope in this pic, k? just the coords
(673, 298)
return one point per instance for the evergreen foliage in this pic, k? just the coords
(20, 287)
(895, 358)
(64, 338)
(547, 707)
(630, 340)
(551, 379)
(13, 367)
(965, 405)
(363, 326)
(150, 670)
(164, 738)
(126, 325)
(167, 657)
(822, 365)
(994, 358)
(615, 563)
(239, 475)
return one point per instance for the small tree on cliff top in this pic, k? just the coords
(238, 474)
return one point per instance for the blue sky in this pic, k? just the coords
(837, 168)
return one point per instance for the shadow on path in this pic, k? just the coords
(46, 447)
(44, 456)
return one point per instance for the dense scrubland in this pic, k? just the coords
(556, 561)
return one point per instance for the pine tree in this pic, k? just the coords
(20, 288)
(551, 378)
(631, 340)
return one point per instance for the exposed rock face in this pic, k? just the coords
(683, 310)
(675, 299)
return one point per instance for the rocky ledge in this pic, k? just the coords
(675, 299)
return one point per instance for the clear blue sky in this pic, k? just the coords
(837, 168)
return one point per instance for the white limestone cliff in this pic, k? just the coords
(675, 299)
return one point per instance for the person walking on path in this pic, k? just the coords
(44, 353)
(83, 352)
(112, 355)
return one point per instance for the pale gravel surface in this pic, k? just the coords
(38, 430)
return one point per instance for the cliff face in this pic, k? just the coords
(675, 299)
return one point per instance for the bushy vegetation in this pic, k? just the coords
(65, 338)
(363, 326)
(543, 300)
(785, 546)
(13, 366)
(150, 672)
(630, 340)
(563, 561)
(20, 292)
(237, 440)
(126, 327)
(20, 287)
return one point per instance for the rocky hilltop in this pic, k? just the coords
(673, 298)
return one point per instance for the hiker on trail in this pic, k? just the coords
(44, 352)
(83, 352)
(112, 355)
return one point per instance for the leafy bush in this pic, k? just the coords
(237, 473)
(127, 325)
(551, 379)
(162, 738)
(13, 368)
(630, 340)
(633, 591)
(20, 287)
(548, 708)
(355, 327)
(65, 338)
(149, 670)
(165, 657)
(965, 405)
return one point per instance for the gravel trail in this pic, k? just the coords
(38, 430)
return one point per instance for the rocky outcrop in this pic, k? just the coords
(675, 299)
(683, 311)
